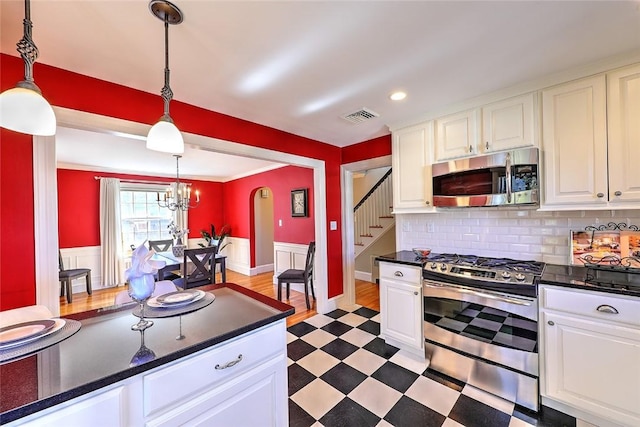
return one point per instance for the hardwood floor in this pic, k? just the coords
(367, 295)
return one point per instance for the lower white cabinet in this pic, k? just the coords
(590, 346)
(401, 307)
(241, 382)
(250, 399)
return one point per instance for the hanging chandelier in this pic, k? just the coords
(23, 108)
(164, 135)
(178, 196)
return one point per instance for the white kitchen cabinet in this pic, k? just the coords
(623, 125)
(591, 136)
(401, 307)
(119, 405)
(509, 124)
(242, 381)
(411, 171)
(457, 135)
(590, 355)
(245, 400)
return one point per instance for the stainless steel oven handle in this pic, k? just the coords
(490, 295)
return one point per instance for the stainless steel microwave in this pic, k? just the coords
(506, 178)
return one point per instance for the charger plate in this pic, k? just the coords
(19, 351)
(164, 311)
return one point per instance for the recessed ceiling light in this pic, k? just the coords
(397, 96)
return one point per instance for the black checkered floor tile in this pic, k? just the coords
(342, 374)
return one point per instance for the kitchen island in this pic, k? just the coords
(230, 362)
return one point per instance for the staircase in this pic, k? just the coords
(372, 215)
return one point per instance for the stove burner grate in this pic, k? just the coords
(534, 267)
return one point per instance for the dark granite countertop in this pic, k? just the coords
(99, 354)
(403, 257)
(569, 276)
(573, 276)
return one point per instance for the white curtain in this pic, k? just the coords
(110, 235)
(181, 218)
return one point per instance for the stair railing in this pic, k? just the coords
(374, 205)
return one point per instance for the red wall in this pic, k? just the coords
(75, 91)
(17, 257)
(371, 149)
(79, 206)
(239, 212)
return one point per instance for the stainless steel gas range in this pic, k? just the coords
(481, 323)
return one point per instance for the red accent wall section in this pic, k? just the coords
(79, 205)
(17, 257)
(238, 206)
(371, 149)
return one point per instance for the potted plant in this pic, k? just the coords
(216, 239)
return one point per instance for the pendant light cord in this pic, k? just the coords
(167, 94)
(26, 47)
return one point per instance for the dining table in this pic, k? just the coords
(174, 263)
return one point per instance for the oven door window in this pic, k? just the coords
(482, 323)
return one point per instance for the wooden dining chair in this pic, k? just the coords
(66, 277)
(305, 276)
(198, 267)
(160, 245)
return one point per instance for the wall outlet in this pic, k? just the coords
(279, 223)
(431, 227)
(333, 225)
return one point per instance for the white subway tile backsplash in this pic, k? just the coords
(521, 234)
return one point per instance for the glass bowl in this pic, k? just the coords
(422, 252)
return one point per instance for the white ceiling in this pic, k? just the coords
(84, 150)
(299, 66)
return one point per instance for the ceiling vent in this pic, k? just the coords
(361, 115)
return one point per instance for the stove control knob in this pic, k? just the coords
(506, 275)
(520, 277)
(434, 265)
(443, 267)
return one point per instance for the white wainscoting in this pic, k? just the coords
(83, 257)
(289, 255)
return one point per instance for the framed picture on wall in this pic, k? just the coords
(299, 202)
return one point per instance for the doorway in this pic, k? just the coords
(45, 196)
(263, 230)
(348, 239)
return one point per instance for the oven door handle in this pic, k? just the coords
(490, 295)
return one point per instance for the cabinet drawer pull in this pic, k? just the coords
(229, 364)
(550, 322)
(398, 274)
(618, 193)
(600, 195)
(415, 293)
(606, 308)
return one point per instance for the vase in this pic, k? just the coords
(178, 250)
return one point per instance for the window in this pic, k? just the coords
(141, 218)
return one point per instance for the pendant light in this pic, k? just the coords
(164, 135)
(23, 108)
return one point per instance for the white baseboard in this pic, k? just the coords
(364, 275)
(261, 269)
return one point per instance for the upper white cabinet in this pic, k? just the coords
(411, 159)
(623, 112)
(457, 135)
(509, 124)
(589, 132)
(499, 126)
